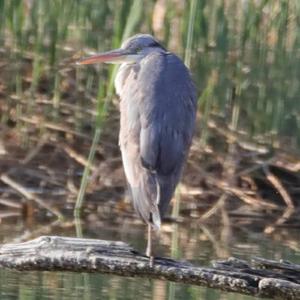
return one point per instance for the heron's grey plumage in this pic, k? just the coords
(158, 108)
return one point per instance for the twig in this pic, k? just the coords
(35, 150)
(237, 137)
(292, 165)
(78, 157)
(8, 214)
(254, 201)
(238, 192)
(279, 187)
(241, 194)
(285, 216)
(18, 187)
(215, 208)
(255, 167)
(69, 106)
(48, 125)
(10, 203)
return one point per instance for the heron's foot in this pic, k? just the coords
(151, 261)
(151, 257)
(149, 246)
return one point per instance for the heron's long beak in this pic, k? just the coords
(114, 56)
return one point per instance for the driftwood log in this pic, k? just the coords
(262, 278)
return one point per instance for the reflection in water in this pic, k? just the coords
(47, 285)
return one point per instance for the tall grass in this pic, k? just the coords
(250, 45)
(190, 32)
(228, 36)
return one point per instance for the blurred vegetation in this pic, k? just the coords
(250, 46)
(59, 122)
(244, 58)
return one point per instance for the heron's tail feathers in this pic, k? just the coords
(146, 197)
(152, 195)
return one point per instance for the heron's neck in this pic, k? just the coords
(125, 70)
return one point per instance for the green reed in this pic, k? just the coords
(190, 32)
(259, 30)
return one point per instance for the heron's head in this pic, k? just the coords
(132, 50)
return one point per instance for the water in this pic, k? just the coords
(196, 242)
(83, 286)
(244, 57)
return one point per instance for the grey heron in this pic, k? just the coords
(158, 110)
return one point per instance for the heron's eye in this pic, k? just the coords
(138, 49)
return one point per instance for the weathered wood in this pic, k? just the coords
(277, 279)
(87, 255)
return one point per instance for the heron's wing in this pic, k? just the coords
(157, 120)
(167, 109)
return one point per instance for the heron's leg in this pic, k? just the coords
(149, 245)
(149, 241)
